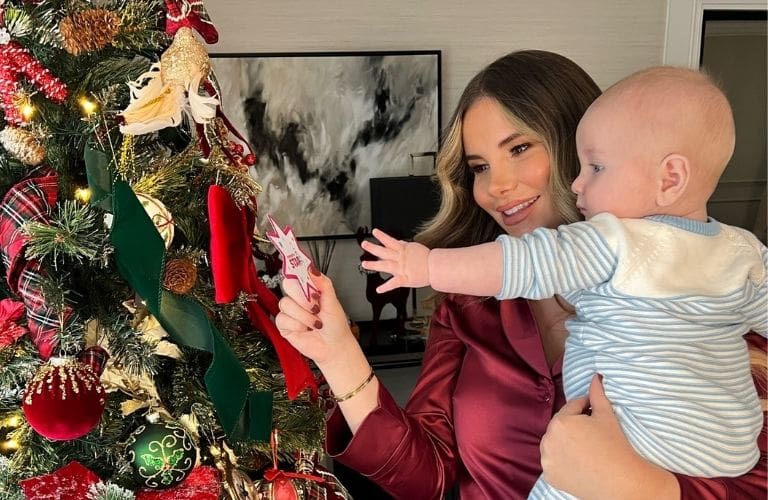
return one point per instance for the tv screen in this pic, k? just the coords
(399, 205)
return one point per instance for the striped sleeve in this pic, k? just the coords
(572, 257)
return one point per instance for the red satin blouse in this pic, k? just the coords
(477, 413)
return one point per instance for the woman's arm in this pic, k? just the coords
(410, 453)
(589, 456)
(320, 331)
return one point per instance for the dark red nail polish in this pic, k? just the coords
(314, 270)
(315, 309)
(318, 324)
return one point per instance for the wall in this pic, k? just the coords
(608, 38)
(735, 53)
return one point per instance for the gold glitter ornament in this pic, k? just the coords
(179, 276)
(184, 59)
(64, 400)
(170, 88)
(88, 30)
(23, 145)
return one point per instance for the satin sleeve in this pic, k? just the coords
(754, 484)
(410, 452)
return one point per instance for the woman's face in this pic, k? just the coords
(511, 170)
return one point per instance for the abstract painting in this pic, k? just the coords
(323, 124)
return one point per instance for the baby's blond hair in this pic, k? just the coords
(685, 112)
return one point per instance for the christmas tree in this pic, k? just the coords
(138, 354)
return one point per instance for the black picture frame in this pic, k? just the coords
(323, 123)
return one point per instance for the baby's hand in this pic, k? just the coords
(405, 261)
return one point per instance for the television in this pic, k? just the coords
(399, 205)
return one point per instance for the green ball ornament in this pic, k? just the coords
(162, 454)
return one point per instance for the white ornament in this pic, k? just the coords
(161, 217)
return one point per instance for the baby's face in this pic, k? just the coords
(617, 172)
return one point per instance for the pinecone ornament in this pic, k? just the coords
(88, 30)
(180, 276)
(23, 145)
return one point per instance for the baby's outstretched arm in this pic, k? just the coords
(472, 270)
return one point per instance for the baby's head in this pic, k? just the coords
(656, 142)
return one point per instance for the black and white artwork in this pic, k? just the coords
(323, 124)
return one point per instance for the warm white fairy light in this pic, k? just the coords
(27, 110)
(12, 422)
(88, 106)
(83, 195)
(9, 446)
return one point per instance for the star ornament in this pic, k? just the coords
(295, 261)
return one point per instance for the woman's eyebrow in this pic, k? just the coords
(502, 143)
(509, 139)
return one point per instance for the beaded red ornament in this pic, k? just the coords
(64, 400)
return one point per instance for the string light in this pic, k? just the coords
(83, 195)
(26, 108)
(88, 106)
(12, 422)
(9, 446)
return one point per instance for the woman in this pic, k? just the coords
(484, 403)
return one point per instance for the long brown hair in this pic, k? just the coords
(545, 94)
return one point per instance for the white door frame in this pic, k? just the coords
(682, 42)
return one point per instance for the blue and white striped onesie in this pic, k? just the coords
(661, 306)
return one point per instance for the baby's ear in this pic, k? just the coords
(674, 175)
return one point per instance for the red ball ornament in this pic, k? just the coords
(250, 159)
(64, 400)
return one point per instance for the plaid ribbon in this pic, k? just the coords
(30, 200)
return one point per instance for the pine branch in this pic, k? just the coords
(18, 22)
(169, 177)
(35, 455)
(20, 363)
(134, 352)
(73, 233)
(56, 292)
(11, 172)
(70, 338)
(9, 485)
(109, 491)
(140, 26)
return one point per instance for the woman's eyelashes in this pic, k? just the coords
(478, 168)
(519, 149)
(596, 167)
(516, 150)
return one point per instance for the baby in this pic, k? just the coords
(662, 293)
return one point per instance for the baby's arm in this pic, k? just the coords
(474, 270)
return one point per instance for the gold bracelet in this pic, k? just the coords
(354, 391)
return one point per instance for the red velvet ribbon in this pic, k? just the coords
(234, 271)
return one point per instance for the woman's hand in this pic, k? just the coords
(318, 328)
(588, 456)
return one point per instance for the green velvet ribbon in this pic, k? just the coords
(140, 256)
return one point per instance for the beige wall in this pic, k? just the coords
(609, 38)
